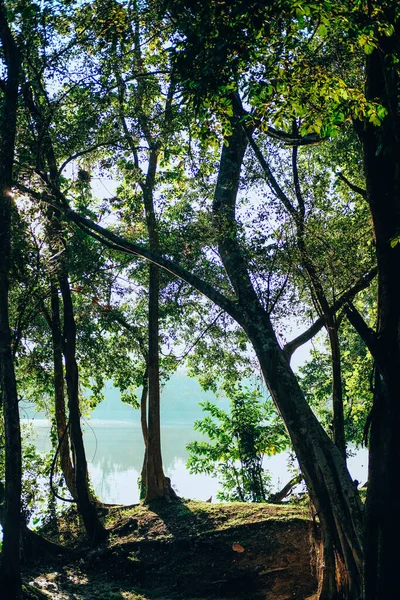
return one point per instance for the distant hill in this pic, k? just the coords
(180, 398)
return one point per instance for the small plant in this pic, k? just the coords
(238, 442)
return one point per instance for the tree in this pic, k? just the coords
(239, 440)
(11, 578)
(293, 63)
(323, 467)
(381, 158)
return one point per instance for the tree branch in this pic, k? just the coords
(84, 152)
(352, 186)
(364, 281)
(365, 332)
(289, 139)
(117, 242)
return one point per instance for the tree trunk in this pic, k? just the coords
(322, 305)
(155, 478)
(337, 387)
(11, 578)
(157, 485)
(330, 486)
(381, 150)
(10, 567)
(143, 423)
(94, 528)
(59, 397)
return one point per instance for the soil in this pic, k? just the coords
(183, 550)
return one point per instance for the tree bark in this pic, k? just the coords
(94, 528)
(10, 567)
(59, 396)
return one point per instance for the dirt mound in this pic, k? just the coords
(193, 550)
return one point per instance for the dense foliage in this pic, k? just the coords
(211, 183)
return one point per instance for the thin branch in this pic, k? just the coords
(366, 333)
(297, 187)
(352, 186)
(289, 139)
(346, 297)
(197, 340)
(84, 152)
(272, 182)
(117, 242)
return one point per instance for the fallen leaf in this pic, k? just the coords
(237, 548)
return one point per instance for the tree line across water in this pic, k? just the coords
(252, 151)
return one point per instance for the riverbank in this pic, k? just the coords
(186, 550)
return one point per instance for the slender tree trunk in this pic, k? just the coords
(143, 423)
(330, 486)
(10, 567)
(157, 485)
(94, 528)
(337, 387)
(381, 148)
(155, 478)
(322, 305)
(59, 396)
(11, 578)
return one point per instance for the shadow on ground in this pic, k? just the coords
(191, 550)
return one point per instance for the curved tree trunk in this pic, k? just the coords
(10, 567)
(94, 528)
(330, 486)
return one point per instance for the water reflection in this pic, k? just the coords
(115, 448)
(115, 453)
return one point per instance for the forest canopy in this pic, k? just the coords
(209, 184)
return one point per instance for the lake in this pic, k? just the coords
(114, 445)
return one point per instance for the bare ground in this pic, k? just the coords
(185, 550)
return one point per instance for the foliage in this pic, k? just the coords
(35, 480)
(357, 373)
(239, 439)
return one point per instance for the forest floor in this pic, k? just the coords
(185, 550)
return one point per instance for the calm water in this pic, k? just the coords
(114, 444)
